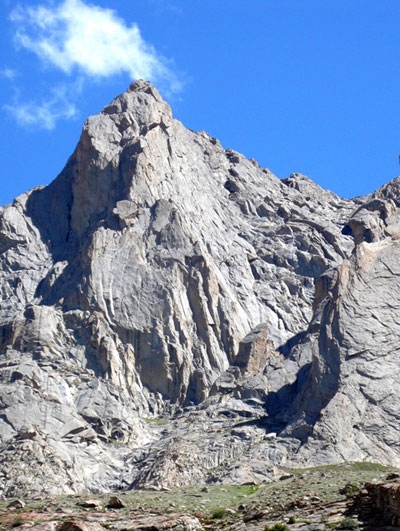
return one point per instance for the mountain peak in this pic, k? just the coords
(114, 139)
(140, 106)
(144, 86)
(163, 275)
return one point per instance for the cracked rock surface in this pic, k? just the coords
(172, 313)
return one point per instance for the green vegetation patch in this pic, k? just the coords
(299, 499)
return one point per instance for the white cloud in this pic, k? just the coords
(44, 114)
(8, 73)
(83, 42)
(75, 36)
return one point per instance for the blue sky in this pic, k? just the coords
(308, 86)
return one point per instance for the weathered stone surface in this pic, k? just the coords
(91, 504)
(16, 504)
(79, 525)
(115, 503)
(385, 497)
(163, 289)
(45, 526)
(155, 522)
(348, 398)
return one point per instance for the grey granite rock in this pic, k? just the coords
(172, 313)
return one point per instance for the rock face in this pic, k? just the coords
(385, 499)
(163, 288)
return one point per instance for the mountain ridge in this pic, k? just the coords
(162, 276)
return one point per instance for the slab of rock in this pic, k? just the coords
(385, 498)
(16, 504)
(79, 525)
(173, 522)
(45, 526)
(115, 503)
(90, 504)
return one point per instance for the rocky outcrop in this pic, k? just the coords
(164, 289)
(385, 499)
(354, 367)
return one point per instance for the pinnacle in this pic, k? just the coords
(142, 100)
(143, 86)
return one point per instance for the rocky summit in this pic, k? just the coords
(173, 314)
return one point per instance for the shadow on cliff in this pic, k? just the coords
(296, 407)
(278, 406)
(50, 211)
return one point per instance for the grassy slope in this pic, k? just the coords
(316, 495)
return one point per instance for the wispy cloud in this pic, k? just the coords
(45, 113)
(84, 40)
(167, 6)
(8, 73)
(91, 39)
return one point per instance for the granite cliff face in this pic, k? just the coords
(164, 290)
